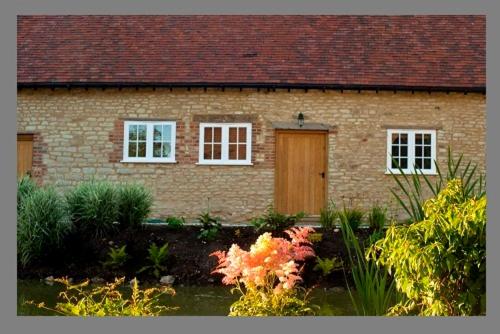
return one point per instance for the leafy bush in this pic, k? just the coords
(157, 257)
(175, 223)
(42, 223)
(474, 185)
(315, 237)
(134, 205)
(25, 187)
(274, 220)
(210, 226)
(375, 290)
(326, 266)
(116, 257)
(377, 218)
(328, 216)
(267, 274)
(353, 217)
(109, 301)
(439, 263)
(94, 208)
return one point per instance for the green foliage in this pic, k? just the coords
(375, 289)
(107, 300)
(328, 216)
(274, 220)
(353, 217)
(157, 257)
(116, 257)
(25, 187)
(41, 225)
(474, 185)
(326, 266)
(439, 263)
(94, 208)
(175, 223)
(134, 205)
(255, 303)
(210, 226)
(377, 218)
(315, 237)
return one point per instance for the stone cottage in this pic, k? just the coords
(240, 112)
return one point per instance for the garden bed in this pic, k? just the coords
(188, 260)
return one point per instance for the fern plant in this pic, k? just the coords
(116, 257)
(157, 257)
(210, 226)
(326, 265)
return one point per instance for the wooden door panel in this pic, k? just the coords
(24, 154)
(300, 161)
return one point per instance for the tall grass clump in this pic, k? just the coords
(94, 208)
(377, 218)
(328, 216)
(134, 205)
(25, 187)
(411, 186)
(353, 217)
(375, 290)
(42, 223)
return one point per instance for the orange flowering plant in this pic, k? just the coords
(267, 274)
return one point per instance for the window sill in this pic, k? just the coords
(397, 172)
(224, 164)
(148, 162)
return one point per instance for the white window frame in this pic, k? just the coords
(411, 151)
(225, 144)
(149, 142)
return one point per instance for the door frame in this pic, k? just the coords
(295, 131)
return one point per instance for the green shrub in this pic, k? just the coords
(326, 266)
(377, 218)
(439, 263)
(116, 257)
(25, 187)
(94, 208)
(274, 220)
(175, 223)
(134, 205)
(210, 226)
(42, 223)
(328, 216)
(157, 257)
(354, 217)
(107, 300)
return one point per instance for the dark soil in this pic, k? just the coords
(188, 261)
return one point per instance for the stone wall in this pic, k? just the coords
(81, 132)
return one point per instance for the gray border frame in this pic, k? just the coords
(10, 323)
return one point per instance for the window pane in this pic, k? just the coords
(404, 151)
(418, 151)
(403, 137)
(166, 149)
(157, 133)
(141, 132)
(242, 135)
(217, 151)
(418, 138)
(141, 149)
(395, 151)
(418, 162)
(394, 163)
(233, 151)
(208, 135)
(217, 135)
(132, 150)
(207, 153)
(427, 151)
(132, 132)
(427, 138)
(156, 150)
(404, 163)
(233, 135)
(427, 163)
(395, 138)
(242, 151)
(167, 132)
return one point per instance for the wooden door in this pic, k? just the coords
(301, 171)
(24, 154)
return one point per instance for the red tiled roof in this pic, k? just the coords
(403, 51)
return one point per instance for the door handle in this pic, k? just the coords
(322, 174)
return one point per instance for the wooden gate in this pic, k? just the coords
(24, 154)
